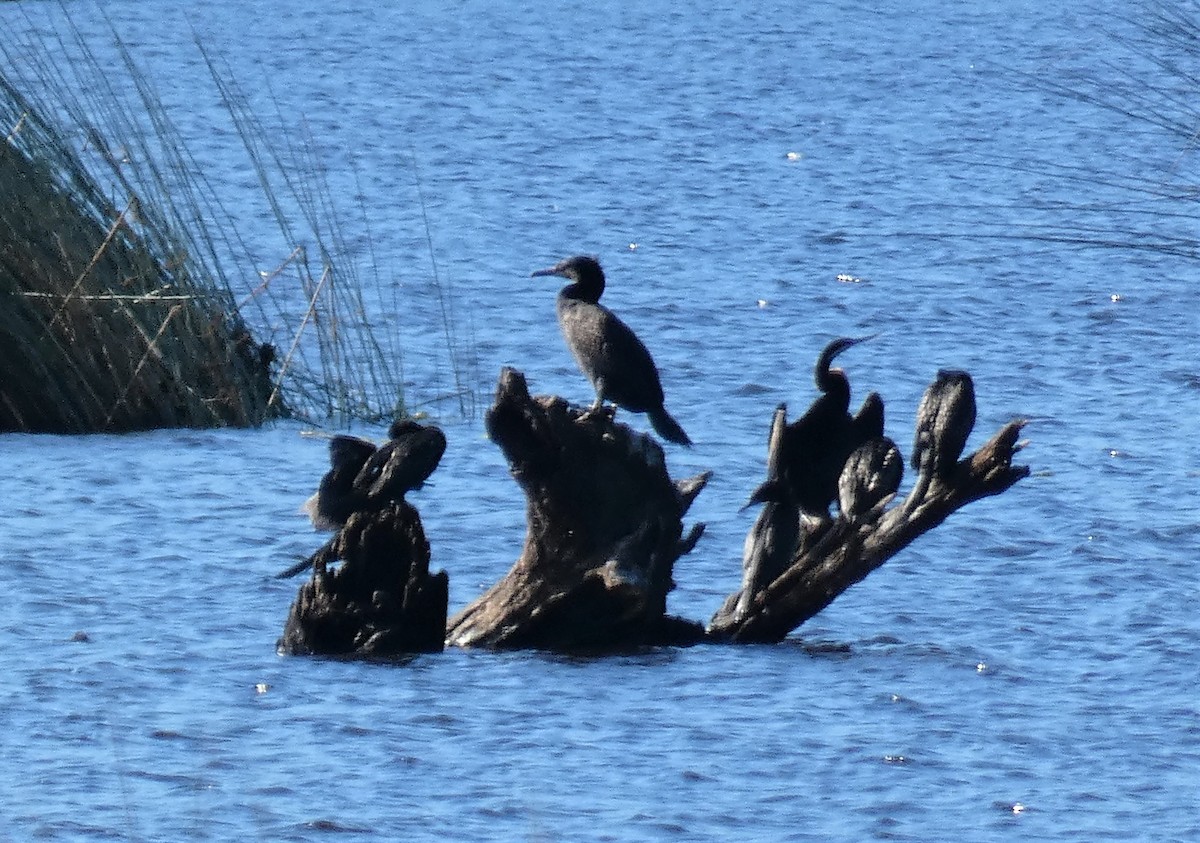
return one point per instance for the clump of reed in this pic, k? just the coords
(124, 299)
(104, 321)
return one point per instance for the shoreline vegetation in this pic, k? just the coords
(124, 303)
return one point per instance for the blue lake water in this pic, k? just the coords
(1028, 670)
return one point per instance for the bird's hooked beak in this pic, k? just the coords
(550, 270)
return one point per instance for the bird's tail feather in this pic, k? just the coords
(667, 427)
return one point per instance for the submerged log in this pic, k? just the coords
(835, 554)
(605, 527)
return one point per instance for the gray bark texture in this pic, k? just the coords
(604, 530)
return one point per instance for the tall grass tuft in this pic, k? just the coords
(130, 297)
(106, 322)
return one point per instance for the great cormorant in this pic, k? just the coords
(607, 350)
(816, 445)
(336, 498)
(871, 475)
(364, 478)
(402, 464)
(944, 421)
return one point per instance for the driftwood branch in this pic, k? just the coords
(604, 530)
(838, 553)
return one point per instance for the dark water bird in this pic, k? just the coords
(607, 350)
(874, 468)
(871, 476)
(336, 498)
(401, 464)
(817, 444)
(363, 478)
(772, 541)
(945, 418)
(944, 421)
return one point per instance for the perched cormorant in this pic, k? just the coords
(944, 421)
(402, 464)
(364, 478)
(816, 445)
(874, 468)
(336, 498)
(607, 350)
(872, 474)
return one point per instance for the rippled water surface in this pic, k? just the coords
(1027, 670)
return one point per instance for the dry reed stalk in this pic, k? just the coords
(112, 231)
(287, 360)
(151, 348)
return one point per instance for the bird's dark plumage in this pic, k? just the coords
(363, 477)
(336, 499)
(607, 350)
(874, 467)
(402, 464)
(871, 475)
(868, 421)
(944, 421)
(817, 444)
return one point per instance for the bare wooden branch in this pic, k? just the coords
(604, 529)
(836, 554)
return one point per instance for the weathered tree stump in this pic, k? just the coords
(380, 601)
(836, 554)
(604, 531)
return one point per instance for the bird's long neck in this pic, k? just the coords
(833, 383)
(587, 287)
